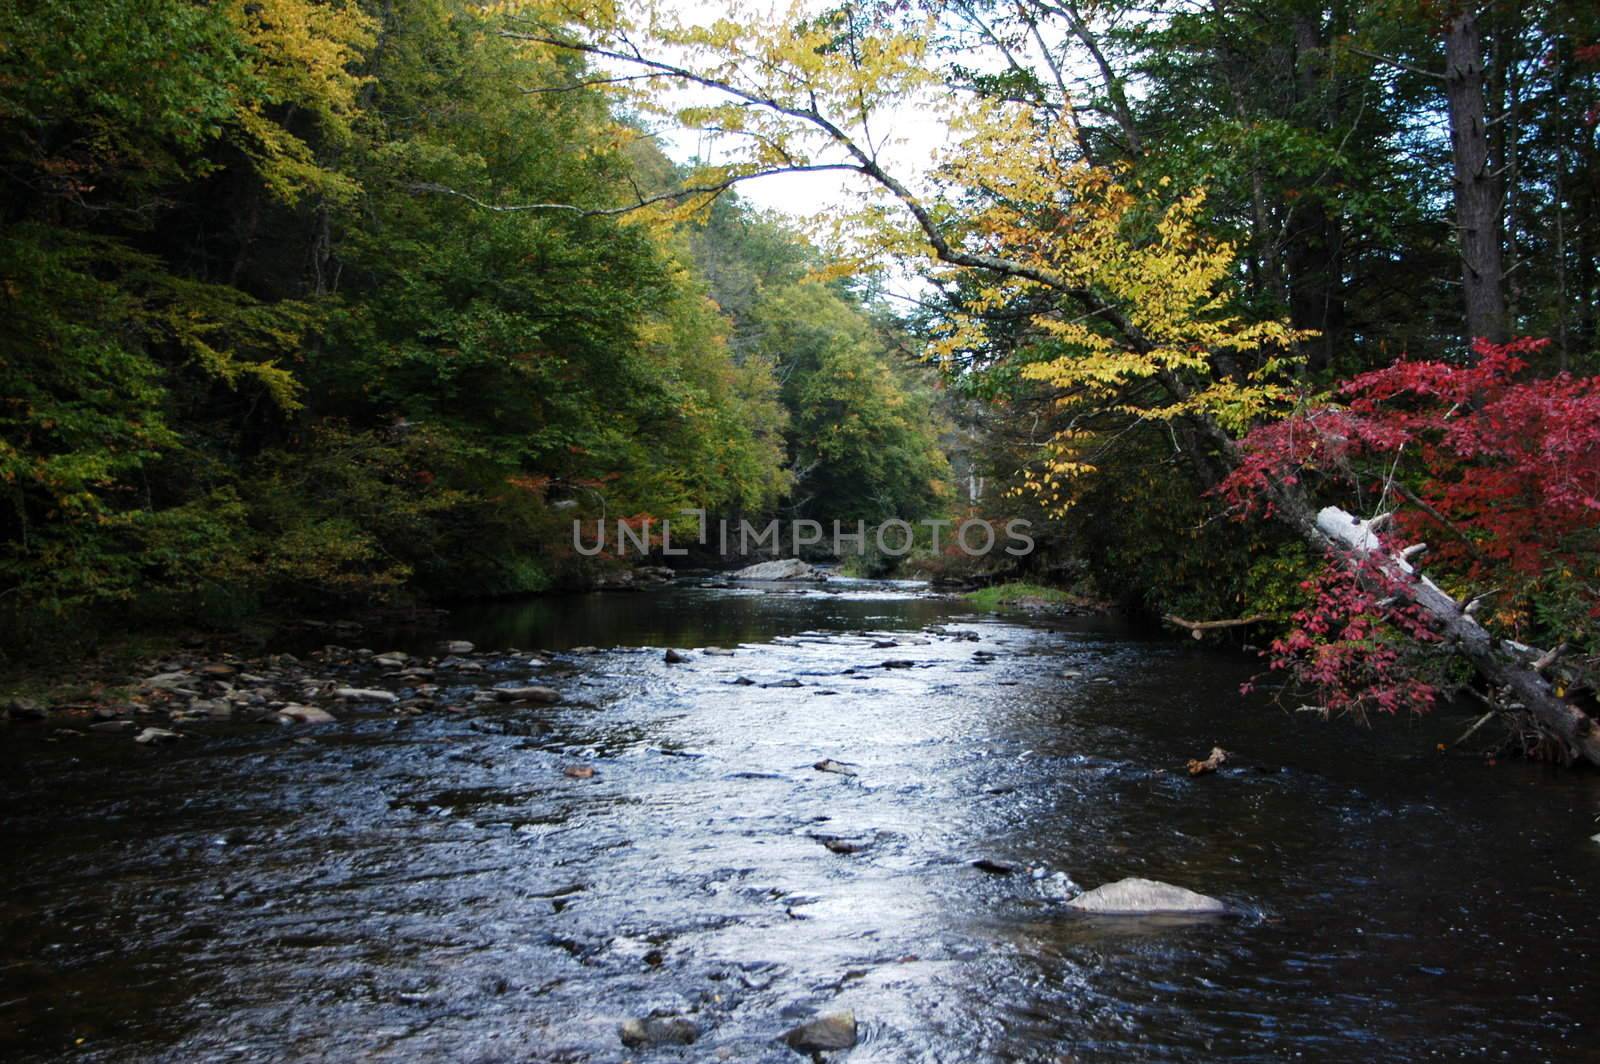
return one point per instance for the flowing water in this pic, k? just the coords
(436, 888)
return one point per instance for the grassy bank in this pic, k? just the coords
(1023, 596)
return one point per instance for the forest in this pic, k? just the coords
(316, 303)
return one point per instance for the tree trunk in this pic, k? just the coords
(1477, 188)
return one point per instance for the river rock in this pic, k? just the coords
(672, 657)
(364, 694)
(156, 735)
(297, 714)
(831, 1030)
(458, 646)
(527, 694)
(778, 569)
(25, 709)
(657, 1030)
(1137, 897)
(718, 652)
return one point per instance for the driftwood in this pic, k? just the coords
(1200, 628)
(1214, 761)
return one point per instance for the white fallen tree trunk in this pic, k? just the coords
(1496, 661)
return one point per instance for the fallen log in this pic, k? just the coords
(1498, 664)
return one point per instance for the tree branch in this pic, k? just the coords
(644, 201)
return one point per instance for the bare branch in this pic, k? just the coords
(644, 201)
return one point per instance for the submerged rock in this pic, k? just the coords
(112, 726)
(1137, 897)
(657, 1030)
(779, 569)
(828, 764)
(156, 735)
(831, 1030)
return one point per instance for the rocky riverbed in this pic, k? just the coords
(856, 824)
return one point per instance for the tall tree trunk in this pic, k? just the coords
(1477, 187)
(1312, 253)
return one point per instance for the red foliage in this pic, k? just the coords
(1509, 467)
(1513, 464)
(1352, 647)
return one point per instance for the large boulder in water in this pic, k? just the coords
(780, 569)
(1145, 897)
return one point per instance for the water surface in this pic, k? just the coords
(435, 888)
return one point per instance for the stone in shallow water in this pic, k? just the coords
(657, 1031)
(297, 714)
(1138, 897)
(527, 694)
(831, 1030)
(363, 694)
(828, 764)
(782, 569)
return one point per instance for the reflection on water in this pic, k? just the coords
(437, 888)
(691, 616)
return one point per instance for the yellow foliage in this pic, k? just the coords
(1134, 318)
(305, 52)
